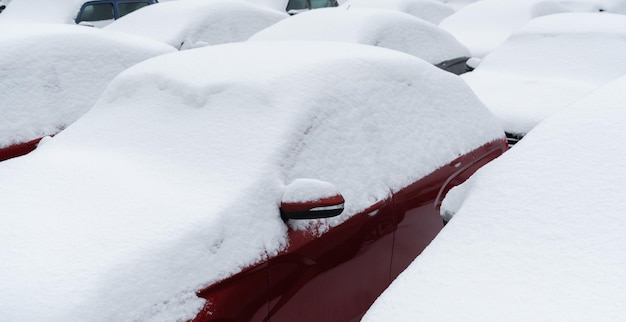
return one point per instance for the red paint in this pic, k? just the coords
(17, 150)
(308, 205)
(337, 276)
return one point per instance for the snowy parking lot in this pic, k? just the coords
(228, 160)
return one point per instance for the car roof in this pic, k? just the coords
(429, 10)
(188, 24)
(383, 28)
(173, 179)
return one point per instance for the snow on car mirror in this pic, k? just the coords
(310, 199)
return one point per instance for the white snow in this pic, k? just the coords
(172, 181)
(485, 24)
(53, 74)
(195, 23)
(551, 62)
(382, 28)
(41, 11)
(303, 189)
(430, 10)
(539, 235)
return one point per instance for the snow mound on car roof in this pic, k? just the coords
(382, 28)
(173, 180)
(192, 23)
(53, 74)
(430, 10)
(485, 24)
(540, 233)
(548, 64)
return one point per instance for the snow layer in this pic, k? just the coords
(430, 10)
(382, 28)
(53, 74)
(41, 11)
(195, 23)
(483, 25)
(540, 234)
(551, 62)
(173, 180)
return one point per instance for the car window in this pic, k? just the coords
(128, 7)
(322, 4)
(97, 12)
(296, 5)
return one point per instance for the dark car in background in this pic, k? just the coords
(297, 6)
(103, 10)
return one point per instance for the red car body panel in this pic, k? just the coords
(338, 275)
(17, 150)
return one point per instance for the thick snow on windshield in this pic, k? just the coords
(430, 10)
(551, 62)
(483, 25)
(173, 180)
(53, 74)
(382, 28)
(540, 232)
(194, 23)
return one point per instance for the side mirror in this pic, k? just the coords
(310, 199)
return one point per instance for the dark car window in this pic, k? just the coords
(125, 8)
(97, 12)
(296, 5)
(315, 4)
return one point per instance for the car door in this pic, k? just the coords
(335, 276)
(418, 204)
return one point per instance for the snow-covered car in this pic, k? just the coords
(550, 63)
(483, 25)
(102, 12)
(196, 23)
(53, 74)
(430, 10)
(196, 188)
(383, 28)
(538, 234)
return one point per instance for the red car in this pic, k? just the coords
(257, 181)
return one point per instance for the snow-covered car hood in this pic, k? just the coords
(173, 180)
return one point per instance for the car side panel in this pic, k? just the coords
(17, 150)
(337, 276)
(418, 204)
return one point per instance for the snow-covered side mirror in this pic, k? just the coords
(310, 199)
(472, 63)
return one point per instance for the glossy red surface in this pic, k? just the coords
(337, 276)
(17, 150)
